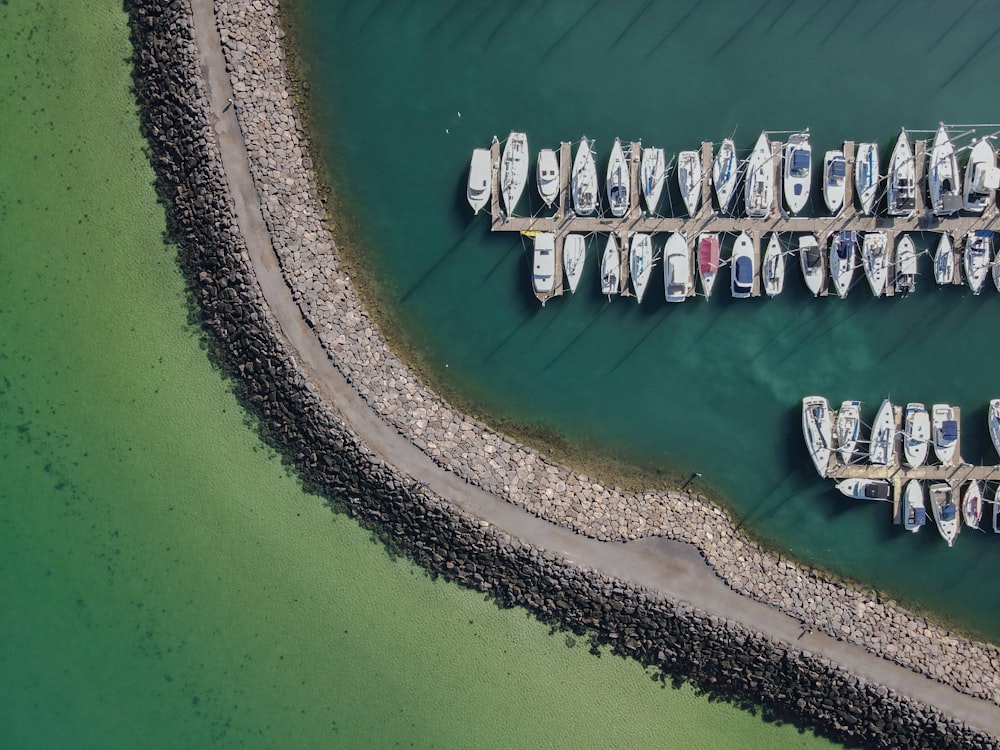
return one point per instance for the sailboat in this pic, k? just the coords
(906, 266)
(618, 180)
(993, 421)
(875, 261)
(902, 178)
(742, 267)
(944, 261)
(677, 273)
(996, 511)
(883, 443)
(759, 192)
(817, 431)
(916, 433)
(689, 179)
(480, 183)
(982, 177)
(848, 429)
(834, 180)
(866, 175)
(724, 174)
(946, 429)
(584, 179)
(972, 505)
(772, 269)
(813, 264)
(513, 170)
(652, 172)
(944, 183)
(978, 258)
(913, 511)
(611, 265)
(543, 270)
(798, 171)
(547, 175)
(843, 250)
(574, 256)
(708, 261)
(640, 263)
(945, 512)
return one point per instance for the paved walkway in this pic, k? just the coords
(676, 569)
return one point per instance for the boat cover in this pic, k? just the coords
(877, 491)
(949, 430)
(919, 516)
(744, 271)
(838, 167)
(800, 160)
(948, 512)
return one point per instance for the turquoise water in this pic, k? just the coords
(406, 90)
(164, 581)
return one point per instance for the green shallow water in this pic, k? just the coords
(406, 90)
(165, 582)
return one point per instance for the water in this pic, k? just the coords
(165, 582)
(404, 91)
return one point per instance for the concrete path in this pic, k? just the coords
(673, 568)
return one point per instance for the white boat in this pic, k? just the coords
(906, 266)
(708, 261)
(996, 511)
(944, 183)
(543, 270)
(574, 257)
(882, 450)
(640, 263)
(848, 429)
(946, 429)
(901, 190)
(618, 180)
(913, 511)
(772, 269)
(982, 177)
(480, 186)
(724, 170)
(875, 261)
(513, 170)
(584, 179)
(866, 489)
(678, 276)
(972, 505)
(758, 194)
(916, 433)
(742, 266)
(993, 421)
(834, 180)
(817, 429)
(945, 511)
(813, 264)
(798, 171)
(652, 173)
(996, 274)
(866, 175)
(611, 268)
(547, 175)
(689, 179)
(978, 258)
(944, 260)
(843, 252)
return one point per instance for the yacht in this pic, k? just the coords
(866, 489)
(906, 266)
(944, 261)
(678, 279)
(972, 505)
(913, 511)
(982, 177)
(882, 450)
(843, 251)
(993, 420)
(902, 178)
(611, 267)
(813, 264)
(708, 261)
(945, 512)
(946, 429)
(834, 180)
(640, 263)
(758, 194)
(543, 272)
(584, 179)
(652, 170)
(848, 429)
(866, 176)
(874, 260)
(916, 433)
(689, 179)
(547, 175)
(978, 258)
(798, 171)
(724, 169)
(996, 511)
(513, 170)
(480, 183)
(772, 270)
(944, 183)
(742, 266)
(817, 430)
(574, 256)
(618, 180)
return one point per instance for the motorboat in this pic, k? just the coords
(848, 429)
(583, 181)
(906, 266)
(902, 194)
(689, 179)
(574, 257)
(817, 429)
(996, 275)
(993, 420)
(866, 176)
(547, 175)
(813, 264)
(978, 258)
(843, 251)
(640, 263)
(543, 270)
(618, 180)
(708, 261)
(513, 170)
(982, 177)
(875, 261)
(944, 183)
(945, 511)
(480, 186)
(772, 269)
(946, 429)
(916, 433)
(724, 171)
(834, 180)
(758, 195)
(742, 266)
(882, 450)
(678, 276)
(611, 268)
(972, 505)
(652, 171)
(913, 511)
(798, 171)
(866, 489)
(944, 260)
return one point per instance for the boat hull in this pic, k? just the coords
(611, 266)
(945, 512)
(874, 260)
(834, 181)
(914, 511)
(813, 264)
(652, 173)
(866, 176)
(618, 181)
(759, 193)
(480, 186)
(513, 170)
(547, 175)
(583, 181)
(742, 267)
(677, 275)
(945, 429)
(944, 261)
(689, 179)
(817, 430)
(543, 270)
(901, 190)
(883, 443)
(574, 258)
(848, 429)
(724, 174)
(640, 263)
(708, 261)
(916, 434)
(773, 267)
(798, 172)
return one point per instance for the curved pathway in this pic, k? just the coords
(674, 569)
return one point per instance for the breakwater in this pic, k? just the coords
(717, 654)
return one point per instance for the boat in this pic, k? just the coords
(945, 432)
(843, 251)
(798, 171)
(916, 433)
(902, 178)
(618, 180)
(996, 275)
(875, 261)
(724, 169)
(945, 512)
(640, 263)
(689, 179)
(584, 179)
(547, 175)
(944, 260)
(611, 266)
(742, 266)
(813, 264)
(678, 277)
(817, 430)
(993, 420)
(848, 429)
(866, 176)
(834, 180)
(978, 258)
(574, 257)
(982, 177)
(913, 511)
(758, 195)
(996, 511)
(944, 183)
(513, 170)
(708, 261)
(543, 270)
(652, 170)
(772, 269)
(866, 489)
(972, 505)
(906, 266)
(882, 450)
(480, 186)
